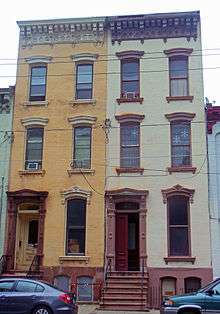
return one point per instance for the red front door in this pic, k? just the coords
(121, 242)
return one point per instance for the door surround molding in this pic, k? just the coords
(16, 198)
(125, 195)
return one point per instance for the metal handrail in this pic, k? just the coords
(3, 264)
(108, 270)
(34, 268)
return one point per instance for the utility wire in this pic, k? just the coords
(106, 55)
(112, 59)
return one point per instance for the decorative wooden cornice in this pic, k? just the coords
(177, 190)
(175, 116)
(213, 116)
(154, 26)
(61, 31)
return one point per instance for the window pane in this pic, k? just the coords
(192, 284)
(38, 90)
(82, 147)
(84, 73)
(25, 286)
(178, 87)
(178, 212)
(39, 288)
(76, 213)
(76, 241)
(84, 288)
(33, 232)
(178, 67)
(180, 133)
(84, 94)
(6, 286)
(62, 282)
(130, 157)
(38, 76)
(129, 135)
(130, 87)
(34, 144)
(130, 71)
(85, 86)
(181, 156)
(179, 241)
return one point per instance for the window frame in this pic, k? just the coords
(85, 63)
(38, 98)
(137, 92)
(186, 78)
(74, 145)
(40, 162)
(180, 226)
(174, 123)
(76, 228)
(130, 124)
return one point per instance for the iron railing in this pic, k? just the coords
(34, 268)
(3, 264)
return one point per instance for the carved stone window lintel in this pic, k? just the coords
(177, 190)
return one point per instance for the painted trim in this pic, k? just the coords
(34, 121)
(129, 54)
(178, 52)
(179, 116)
(129, 117)
(79, 120)
(38, 59)
(177, 190)
(75, 192)
(85, 57)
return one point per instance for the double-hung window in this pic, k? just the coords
(180, 143)
(178, 226)
(34, 148)
(130, 78)
(76, 226)
(178, 68)
(84, 81)
(130, 144)
(38, 83)
(82, 147)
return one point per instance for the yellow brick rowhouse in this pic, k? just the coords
(56, 191)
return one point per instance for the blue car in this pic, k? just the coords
(27, 296)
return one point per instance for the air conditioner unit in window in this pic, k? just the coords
(130, 95)
(32, 166)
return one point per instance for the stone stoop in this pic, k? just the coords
(125, 291)
(20, 274)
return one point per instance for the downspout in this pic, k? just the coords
(1, 199)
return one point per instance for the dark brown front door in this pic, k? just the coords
(121, 242)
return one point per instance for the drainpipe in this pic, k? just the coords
(1, 199)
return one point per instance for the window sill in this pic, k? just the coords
(135, 99)
(174, 259)
(83, 102)
(129, 170)
(80, 170)
(31, 172)
(74, 258)
(181, 169)
(43, 103)
(177, 98)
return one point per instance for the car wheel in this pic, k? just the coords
(41, 309)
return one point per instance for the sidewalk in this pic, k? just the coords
(93, 309)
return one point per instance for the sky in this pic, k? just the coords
(12, 11)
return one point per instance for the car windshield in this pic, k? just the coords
(52, 286)
(208, 286)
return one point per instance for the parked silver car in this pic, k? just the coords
(27, 296)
